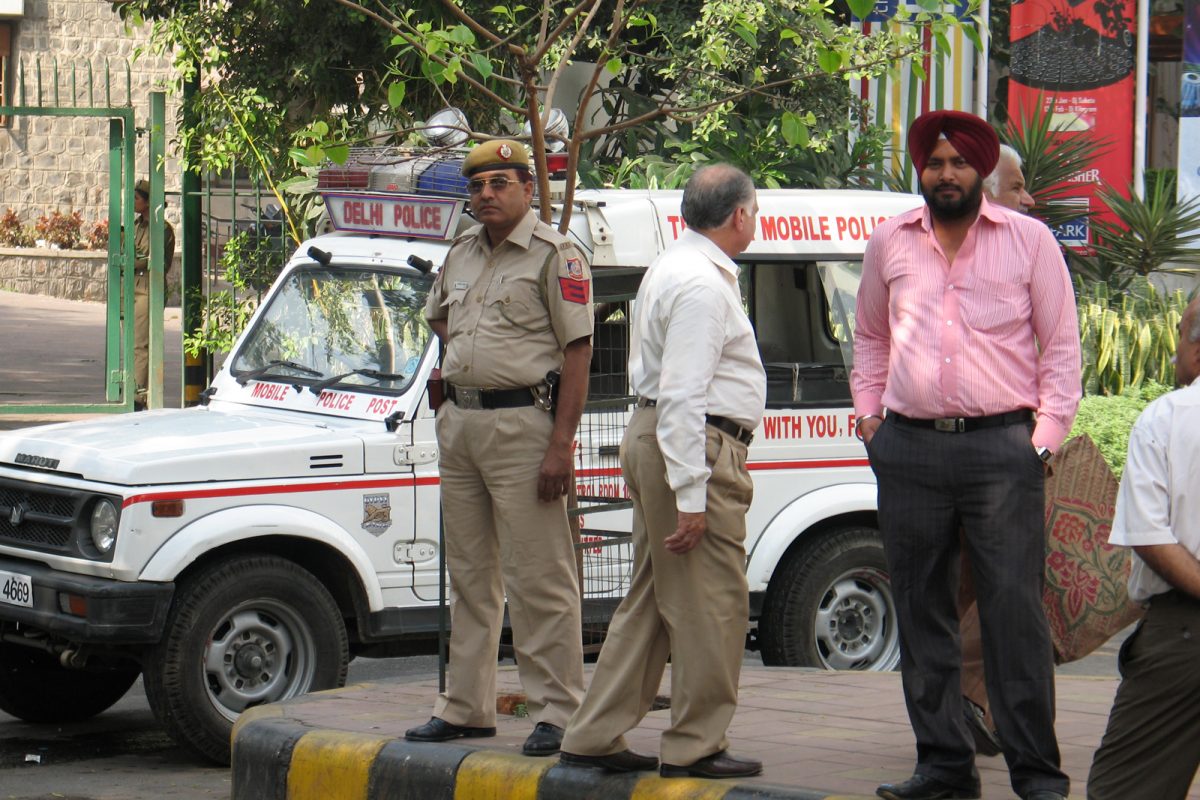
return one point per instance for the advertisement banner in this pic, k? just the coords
(897, 99)
(1188, 186)
(1076, 60)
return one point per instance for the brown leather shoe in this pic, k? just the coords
(923, 787)
(718, 765)
(438, 730)
(623, 761)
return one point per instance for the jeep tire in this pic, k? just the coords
(242, 631)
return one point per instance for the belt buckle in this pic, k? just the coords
(470, 399)
(950, 425)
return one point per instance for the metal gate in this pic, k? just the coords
(79, 92)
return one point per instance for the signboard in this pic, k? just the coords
(1076, 61)
(393, 214)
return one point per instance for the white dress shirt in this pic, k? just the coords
(693, 350)
(1161, 484)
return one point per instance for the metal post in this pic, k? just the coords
(195, 370)
(114, 377)
(157, 267)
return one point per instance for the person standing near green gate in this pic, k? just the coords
(141, 286)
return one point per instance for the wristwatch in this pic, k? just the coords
(1045, 454)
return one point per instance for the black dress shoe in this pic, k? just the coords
(624, 761)
(718, 765)
(1042, 794)
(544, 741)
(923, 787)
(438, 730)
(987, 742)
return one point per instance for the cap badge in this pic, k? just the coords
(505, 151)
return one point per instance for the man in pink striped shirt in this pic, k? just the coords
(966, 333)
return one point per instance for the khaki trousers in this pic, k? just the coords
(141, 333)
(500, 537)
(692, 608)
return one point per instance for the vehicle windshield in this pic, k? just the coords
(365, 325)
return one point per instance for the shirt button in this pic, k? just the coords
(951, 287)
(949, 322)
(467, 368)
(947, 361)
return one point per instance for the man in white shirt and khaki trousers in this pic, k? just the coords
(696, 369)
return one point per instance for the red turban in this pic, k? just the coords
(972, 137)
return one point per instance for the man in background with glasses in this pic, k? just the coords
(513, 307)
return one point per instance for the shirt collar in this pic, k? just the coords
(709, 249)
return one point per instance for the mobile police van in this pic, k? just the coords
(241, 552)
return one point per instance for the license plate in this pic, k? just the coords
(16, 589)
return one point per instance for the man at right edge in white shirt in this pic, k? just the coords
(1151, 748)
(701, 392)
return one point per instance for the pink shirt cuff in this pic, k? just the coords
(1048, 433)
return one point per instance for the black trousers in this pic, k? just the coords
(1151, 748)
(990, 484)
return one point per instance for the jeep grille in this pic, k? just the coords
(34, 516)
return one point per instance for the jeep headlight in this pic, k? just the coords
(104, 526)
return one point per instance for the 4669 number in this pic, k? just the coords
(16, 589)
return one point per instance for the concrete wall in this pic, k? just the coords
(62, 163)
(66, 274)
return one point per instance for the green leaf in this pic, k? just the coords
(482, 64)
(828, 60)
(396, 95)
(338, 153)
(613, 65)
(795, 132)
(861, 8)
(748, 36)
(315, 154)
(972, 33)
(461, 34)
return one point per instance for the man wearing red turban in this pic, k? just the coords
(966, 334)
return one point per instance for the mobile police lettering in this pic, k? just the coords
(337, 401)
(270, 391)
(803, 227)
(377, 513)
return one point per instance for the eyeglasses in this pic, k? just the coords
(498, 184)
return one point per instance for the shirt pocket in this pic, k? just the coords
(995, 306)
(454, 303)
(519, 303)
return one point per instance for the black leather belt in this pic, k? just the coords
(489, 398)
(743, 435)
(964, 424)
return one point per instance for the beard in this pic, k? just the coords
(954, 207)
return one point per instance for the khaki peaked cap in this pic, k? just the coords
(496, 154)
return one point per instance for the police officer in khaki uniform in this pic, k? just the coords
(511, 304)
(141, 286)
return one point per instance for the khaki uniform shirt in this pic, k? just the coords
(141, 245)
(510, 310)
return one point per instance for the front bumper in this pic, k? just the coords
(109, 611)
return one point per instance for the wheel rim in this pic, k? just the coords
(260, 651)
(855, 624)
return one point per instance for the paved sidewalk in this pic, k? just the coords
(819, 734)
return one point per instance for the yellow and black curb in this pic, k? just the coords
(277, 758)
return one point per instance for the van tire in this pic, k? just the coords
(830, 606)
(36, 687)
(275, 632)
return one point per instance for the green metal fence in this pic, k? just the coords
(51, 90)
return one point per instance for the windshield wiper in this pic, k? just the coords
(243, 378)
(320, 386)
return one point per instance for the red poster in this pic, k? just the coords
(1077, 58)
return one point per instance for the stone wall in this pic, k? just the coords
(68, 274)
(49, 163)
